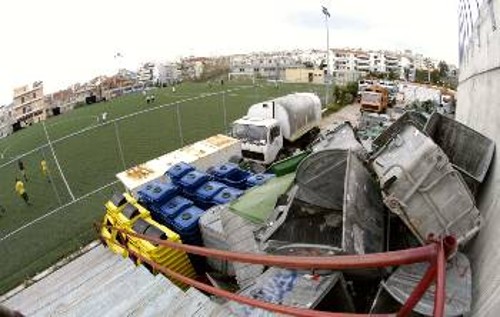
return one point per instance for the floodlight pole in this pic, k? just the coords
(328, 66)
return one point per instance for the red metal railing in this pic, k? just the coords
(435, 252)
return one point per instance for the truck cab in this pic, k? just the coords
(261, 139)
(375, 99)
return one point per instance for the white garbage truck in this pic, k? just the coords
(273, 129)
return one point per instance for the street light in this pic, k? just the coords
(328, 70)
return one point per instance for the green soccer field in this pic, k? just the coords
(90, 160)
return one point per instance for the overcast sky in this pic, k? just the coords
(68, 41)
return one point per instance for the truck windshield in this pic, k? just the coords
(370, 98)
(250, 133)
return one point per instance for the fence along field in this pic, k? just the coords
(90, 153)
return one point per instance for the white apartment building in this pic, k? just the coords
(6, 121)
(169, 73)
(268, 65)
(265, 65)
(370, 61)
(147, 73)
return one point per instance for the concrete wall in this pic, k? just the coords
(479, 107)
(301, 75)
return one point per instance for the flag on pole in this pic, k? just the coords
(325, 11)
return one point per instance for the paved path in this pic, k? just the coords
(348, 113)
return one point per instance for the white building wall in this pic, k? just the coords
(478, 106)
(6, 121)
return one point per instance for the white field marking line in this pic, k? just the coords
(115, 120)
(5, 150)
(57, 162)
(120, 149)
(2, 155)
(25, 154)
(10, 234)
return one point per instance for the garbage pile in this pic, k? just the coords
(426, 107)
(420, 93)
(419, 180)
(370, 126)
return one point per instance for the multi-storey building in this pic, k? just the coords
(169, 73)
(6, 120)
(147, 73)
(265, 65)
(344, 61)
(29, 104)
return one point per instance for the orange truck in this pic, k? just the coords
(375, 98)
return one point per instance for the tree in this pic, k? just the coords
(435, 77)
(428, 63)
(443, 70)
(375, 75)
(392, 75)
(345, 94)
(421, 76)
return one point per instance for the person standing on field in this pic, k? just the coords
(21, 191)
(22, 169)
(45, 169)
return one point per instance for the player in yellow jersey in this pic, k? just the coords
(21, 191)
(45, 169)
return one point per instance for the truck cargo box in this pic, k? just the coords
(297, 113)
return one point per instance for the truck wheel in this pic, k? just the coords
(236, 159)
(283, 154)
(257, 168)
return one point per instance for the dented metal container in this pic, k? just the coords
(214, 237)
(409, 117)
(241, 238)
(335, 207)
(342, 137)
(421, 186)
(469, 151)
(398, 287)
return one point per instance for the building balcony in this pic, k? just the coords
(30, 114)
(19, 92)
(363, 57)
(28, 102)
(363, 62)
(392, 68)
(363, 67)
(391, 58)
